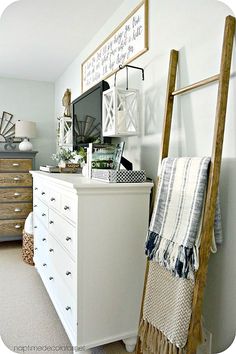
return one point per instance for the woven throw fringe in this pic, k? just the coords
(181, 261)
(154, 341)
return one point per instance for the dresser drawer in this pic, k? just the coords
(40, 191)
(11, 227)
(63, 300)
(16, 195)
(15, 210)
(40, 211)
(54, 199)
(63, 231)
(15, 179)
(7, 165)
(69, 207)
(67, 268)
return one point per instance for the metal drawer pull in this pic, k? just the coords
(68, 273)
(35, 205)
(17, 194)
(35, 248)
(44, 239)
(35, 227)
(53, 199)
(17, 210)
(43, 214)
(16, 178)
(44, 264)
(68, 238)
(43, 193)
(51, 222)
(15, 164)
(17, 226)
(51, 250)
(50, 278)
(66, 207)
(68, 308)
(35, 188)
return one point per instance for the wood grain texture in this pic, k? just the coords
(196, 85)
(15, 210)
(15, 179)
(212, 190)
(9, 227)
(7, 165)
(163, 153)
(16, 195)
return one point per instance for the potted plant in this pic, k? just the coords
(66, 156)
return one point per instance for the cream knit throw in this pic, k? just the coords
(166, 312)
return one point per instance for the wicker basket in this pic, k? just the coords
(28, 248)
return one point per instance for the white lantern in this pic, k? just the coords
(65, 132)
(120, 112)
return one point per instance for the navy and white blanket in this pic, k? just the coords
(174, 234)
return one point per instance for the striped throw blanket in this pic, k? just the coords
(174, 233)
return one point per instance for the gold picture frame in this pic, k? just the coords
(126, 43)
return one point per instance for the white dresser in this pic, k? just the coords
(89, 251)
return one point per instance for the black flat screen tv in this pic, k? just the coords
(87, 116)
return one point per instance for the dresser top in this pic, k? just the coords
(77, 181)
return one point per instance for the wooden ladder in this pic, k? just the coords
(194, 335)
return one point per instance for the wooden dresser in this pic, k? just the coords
(15, 192)
(89, 251)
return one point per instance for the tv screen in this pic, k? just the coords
(87, 116)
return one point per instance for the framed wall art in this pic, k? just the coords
(127, 42)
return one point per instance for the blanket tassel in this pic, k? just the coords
(154, 341)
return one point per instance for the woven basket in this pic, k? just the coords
(28, 248)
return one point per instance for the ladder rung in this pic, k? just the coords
(196, 84)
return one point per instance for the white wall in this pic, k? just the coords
(195, 28)
(32, 100)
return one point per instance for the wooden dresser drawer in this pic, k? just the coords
(16, 195)
(15, 210)
(11, 227)
(15, 179)
(7, 165)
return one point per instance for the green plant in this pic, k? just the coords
(70, 156)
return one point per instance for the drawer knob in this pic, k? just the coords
(68, 308)
(17, 194)
(35, 188)
(16, 178)
(51, 250)
(44, 239)
(35, 205)
(35, 227)
(51, 222)
(53, 199)
(15, 164)
(17, 210)
(35, 248)
(44, 264)
(43, 214)
(68, 273)
(68, 238)
(50, 278)
(43, 193)
(66, 207)
(17, 226)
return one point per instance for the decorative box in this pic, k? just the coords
(121, 176)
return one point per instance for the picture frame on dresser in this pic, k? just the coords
(16, 195)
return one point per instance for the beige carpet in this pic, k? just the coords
(27, 316)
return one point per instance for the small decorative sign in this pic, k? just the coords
(128, 41)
